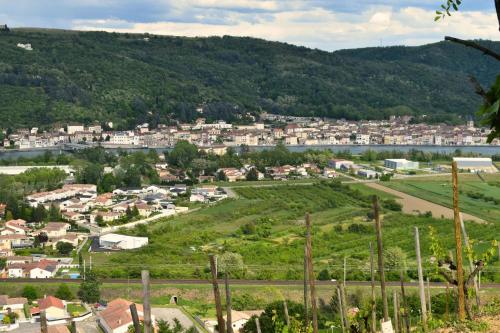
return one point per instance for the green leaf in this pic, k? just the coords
(438, 12)
(455, 7)
(437, 18)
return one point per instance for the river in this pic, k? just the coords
(355, 149)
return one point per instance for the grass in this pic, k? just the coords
(439, 190)
(75, 309)
(179, 246)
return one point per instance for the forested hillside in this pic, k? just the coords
(129, 79)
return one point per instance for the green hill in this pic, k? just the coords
(129, 79)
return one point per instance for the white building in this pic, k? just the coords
(400, 164)
(340, 164)
(474, 164)
(122, 242)
(72, 129)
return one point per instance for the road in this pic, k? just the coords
(234, 282)
(412, 205)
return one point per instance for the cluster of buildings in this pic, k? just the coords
(207, 194)
(216, 136)
(80, 203)
(18, 234)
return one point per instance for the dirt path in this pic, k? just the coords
(413, 205)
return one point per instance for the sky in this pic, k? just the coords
(323, 24)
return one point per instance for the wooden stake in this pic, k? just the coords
(405, 306)
(421, 288)
(471, 262)
(73, 326)
(287, 318)
(341, 309)
(343, 294)
(458, 244)
(43, 322)
(257, 324)
(380, 253)
(135, 318)
(218, 305)
(429, 303)
(306, 291)
(229, 320)
(447, 307)
(146, 305)
(345, 270)
(374, 300)
(312, 278)
(396, 311)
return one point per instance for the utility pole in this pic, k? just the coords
(458, 244)
(146, 305)
(380, 253)
(471, 262)
(135, 318)
(312, 278)
(229, 320)
(374, 300)
(218, 305)
(421, 288)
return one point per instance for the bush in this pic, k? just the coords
(391, 204)
(63, 292)
(324, 275)
(30, 292)
(358, 228)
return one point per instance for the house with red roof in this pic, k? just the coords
(116, 318)
(54, 307)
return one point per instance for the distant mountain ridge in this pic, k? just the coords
(131, 78)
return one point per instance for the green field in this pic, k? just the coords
(179, 246)
(439, 190)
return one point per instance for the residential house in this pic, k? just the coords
(55, 229)
(54, 307)
(14, 303)
(116, 318)
(232, 174)
(2, 210)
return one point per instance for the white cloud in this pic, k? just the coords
(319, 27)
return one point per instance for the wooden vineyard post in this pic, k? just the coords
(306, 291)
(229, 320)
(257, 324)
(135, 318)
(421, 287)
(287, 318)
(458, 244)
(380, 254)
(146, 305)
(429, 300)
(312, 279)
(396, 310)
(218, 305)
(341, 309)
(43, 322)
(374, 300)
(343, 294)
(406, 315)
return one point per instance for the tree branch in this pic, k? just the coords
(479, 267)
(477, 87)
(497, 7)
(474, 45)
(448, 277)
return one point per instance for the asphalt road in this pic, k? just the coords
(239, 282)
